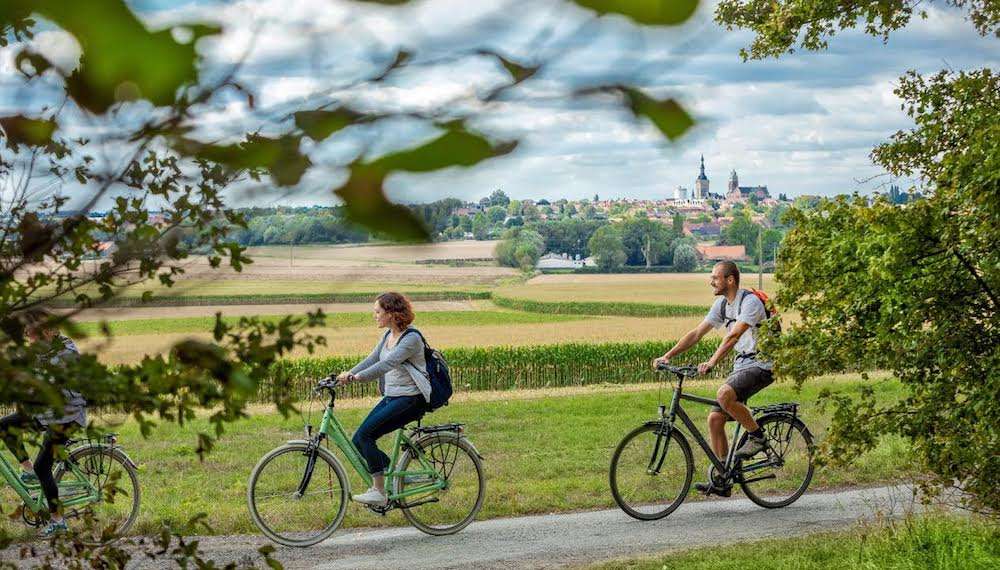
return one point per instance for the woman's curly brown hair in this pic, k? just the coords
(398, 307)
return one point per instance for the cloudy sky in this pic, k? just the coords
(803, 124)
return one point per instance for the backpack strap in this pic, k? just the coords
(408, 331)
(422, 339)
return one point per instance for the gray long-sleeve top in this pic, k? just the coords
(401, 370)
(75, 409)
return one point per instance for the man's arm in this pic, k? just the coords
(686, 342)
(727, 344)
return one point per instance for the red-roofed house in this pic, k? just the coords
(722, 252)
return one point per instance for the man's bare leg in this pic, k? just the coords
(717, 434)
(739, 412)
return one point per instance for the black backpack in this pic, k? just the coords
(437, 373)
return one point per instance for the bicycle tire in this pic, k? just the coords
(774, 427)
(415, 514)
(642, 508)
(84, 459)
(296, 538)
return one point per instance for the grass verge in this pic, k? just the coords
(938, 541)
(543, 454)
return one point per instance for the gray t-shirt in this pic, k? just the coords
(745, 308)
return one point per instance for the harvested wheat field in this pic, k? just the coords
(658, 288)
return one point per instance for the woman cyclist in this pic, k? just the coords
(398, 363)
(56, 350)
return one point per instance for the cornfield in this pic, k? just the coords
(503, 368)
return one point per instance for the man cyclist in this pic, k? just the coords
(57, 350)
(741, 313)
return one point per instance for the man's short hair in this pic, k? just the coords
(729, 269)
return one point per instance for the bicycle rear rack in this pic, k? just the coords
(786, 407)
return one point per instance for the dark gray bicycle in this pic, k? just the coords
(652, 468)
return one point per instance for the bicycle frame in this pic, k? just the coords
(37, 504)
(331, 427)
(668, 417)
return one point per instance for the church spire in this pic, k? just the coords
(702, 173)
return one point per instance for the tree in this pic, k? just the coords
(606, 245)
(912, 289)
(514, 208)
(569, 236)
(480, 226)
(498, 198)
(779, 24)
(685, 258)
(678, 224)
(496, 214)
(742, 232)
(519, 247)
(647, 242)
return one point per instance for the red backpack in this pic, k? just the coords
(770, 310)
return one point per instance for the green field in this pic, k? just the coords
(939, 542)
(543, 454)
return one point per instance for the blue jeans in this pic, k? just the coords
(390, 414)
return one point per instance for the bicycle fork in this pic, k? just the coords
(662, 443)
(312, 452)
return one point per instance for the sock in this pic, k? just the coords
(758, 433)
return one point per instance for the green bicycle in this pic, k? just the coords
(298, 492)
(97, 483)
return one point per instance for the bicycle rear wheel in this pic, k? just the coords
(291, 508)
(649, 493)
(117, 483)
(448, 510)
(777, 478)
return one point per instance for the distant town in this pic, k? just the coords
(691, 227)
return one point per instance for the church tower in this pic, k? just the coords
(701, 183)
(734, 183)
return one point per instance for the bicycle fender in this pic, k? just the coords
(474, 450)
(112, 450)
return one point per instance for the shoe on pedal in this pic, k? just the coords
(29, 478)
(753, 446)
(53, 528)
(371, 497)
(710, 489)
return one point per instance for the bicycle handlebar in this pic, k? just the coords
(328, 383)
(688, 371)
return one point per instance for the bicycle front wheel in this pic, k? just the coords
(650, 472)
(447, 510)
(117, 484)
(778, 477)
(297, 498)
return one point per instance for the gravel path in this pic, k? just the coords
(570, 539)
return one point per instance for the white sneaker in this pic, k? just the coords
(371, 497)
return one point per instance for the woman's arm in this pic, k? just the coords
(371, 358)
(406, 348)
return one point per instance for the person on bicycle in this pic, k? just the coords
(56, 426)
(741, 313)
(398, 363)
